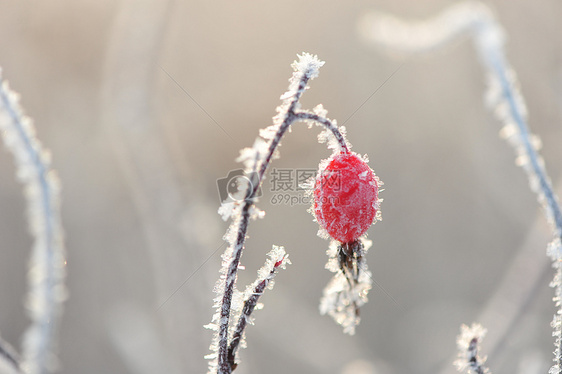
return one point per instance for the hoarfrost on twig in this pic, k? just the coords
(47, 265)
(278, 259)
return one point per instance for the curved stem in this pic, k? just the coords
(328, 124)
(47, 290)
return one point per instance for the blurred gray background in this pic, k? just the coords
(145, 104)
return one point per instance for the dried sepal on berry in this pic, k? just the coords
(347, 290)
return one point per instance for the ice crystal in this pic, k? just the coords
(306, 68)
(327, 136)
(308, 64)
(229, 209)
(249, 157)
(256, 213)
(320, 111)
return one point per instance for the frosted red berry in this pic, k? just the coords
(346, 197)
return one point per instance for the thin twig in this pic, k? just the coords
(249, 306)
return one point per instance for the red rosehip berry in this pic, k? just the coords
(346, 197)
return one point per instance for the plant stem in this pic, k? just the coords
(249, 306)
(46, 288)
(288, 116)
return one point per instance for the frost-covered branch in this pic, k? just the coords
(256, 160)
(47, 265)
(475, 20)
(468, 345)
(465, 19)
(278, 259)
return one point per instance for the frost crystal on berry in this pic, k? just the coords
(346, 197)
